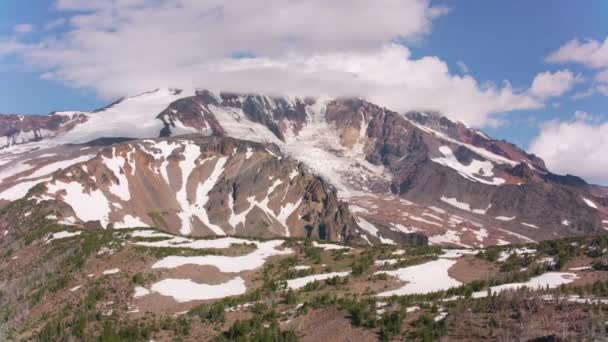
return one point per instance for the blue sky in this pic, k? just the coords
(128, 47)
(22, 91)
(500, 40)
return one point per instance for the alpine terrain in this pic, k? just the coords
(198, 215)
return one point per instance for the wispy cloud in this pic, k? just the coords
(23, 28)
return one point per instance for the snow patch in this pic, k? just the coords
(186, 290)
(476, 171)
(61, 235)
(299, 283)
(424, 278)
(228, 264)
(372, 230)
(590, 203)
(111, 271)
(329, 246)
(505, 218)
(464, 206)
(90, 206)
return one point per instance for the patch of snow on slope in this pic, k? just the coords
(435, 217)
(187, 166)
(151, 234)
(228, 264)
(202, 195)
(111, 271)
(62, 164)
(437, 210)
(449, 237)
(249, 153)
(479, 151)
(20, 189)
(185, 290)
(550, 279)
(286, 211)
(421, 219)
(590, 203)
(525, 238)
(476, 171)
(183, 242)
(505, 218)
(301, 267)
(457, 253)
(372, 230)
(317, 145)
(329, 246)
(130, 222)
(134, 117)
(384, 262)
(120, 188)
(530, 225)
(504, 255)
(61, 235)
(11, 170)
(299, 283)
(90, 206)
(464, 206)
(160, 150)
(403, 229)
(141, 291)
(424, 278)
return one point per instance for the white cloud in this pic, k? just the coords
(53, 24)
(8, 47)
(463, 67)
(23, 28)
(315, 47)
(547, 84)
(601, 82)
(580, 115)
(578, 147)
(591, 53)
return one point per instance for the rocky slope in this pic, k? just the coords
(63, 283)
(400, 173)
(196, 185)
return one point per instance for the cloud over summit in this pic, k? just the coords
(294, 47)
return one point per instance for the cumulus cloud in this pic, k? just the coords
(601, 82)
(463, 67)
(548, 84)
(293, 47)
(23, 28)
(578, 146)
(591, 53)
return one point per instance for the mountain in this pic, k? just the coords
(343, 169)
(197, 216)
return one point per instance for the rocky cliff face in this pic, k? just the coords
(414, 173)
(22, 129)
(196, 185)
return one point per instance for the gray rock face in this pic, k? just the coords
(21, 129)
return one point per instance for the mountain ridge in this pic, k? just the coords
(367, 152)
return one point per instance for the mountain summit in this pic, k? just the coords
(343, 169)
